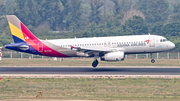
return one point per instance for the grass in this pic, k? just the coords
(86, 62)
(90, 88)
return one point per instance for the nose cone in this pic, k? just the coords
(172, 45)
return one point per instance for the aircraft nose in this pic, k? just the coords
(172, 45)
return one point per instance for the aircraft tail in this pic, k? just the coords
(25, 41)
(20, 32)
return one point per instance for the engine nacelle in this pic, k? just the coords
(113, 56)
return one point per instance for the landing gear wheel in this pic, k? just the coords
(95, 63)
(152, 61)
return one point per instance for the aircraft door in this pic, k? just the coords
(151, 41)
(40, 47)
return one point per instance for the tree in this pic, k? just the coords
(95, 11)
(154, 10)
(2, 7)
(52, 11)
(73, 18)
(59, 14)
(121, 6)
(175, 17)
(137, 25)
(27, 11)
(157, 28)
(129, 14)
(172, 29)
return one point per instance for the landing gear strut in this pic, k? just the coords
(95, 63)
(152, 60)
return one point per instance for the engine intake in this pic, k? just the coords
(113, 56)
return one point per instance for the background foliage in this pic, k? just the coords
(51, 19)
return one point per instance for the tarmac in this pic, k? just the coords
(90, 72)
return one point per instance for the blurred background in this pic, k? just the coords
(58, 19)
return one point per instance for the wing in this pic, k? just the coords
(94, 51)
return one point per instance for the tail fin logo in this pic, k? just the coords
(26, 38)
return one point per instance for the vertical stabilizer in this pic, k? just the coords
(19, 31)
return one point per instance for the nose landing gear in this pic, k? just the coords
(152, 60)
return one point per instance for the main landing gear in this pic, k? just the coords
(152, 60)
(95, 63)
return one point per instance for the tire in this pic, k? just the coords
(152, 61)
(95, 63)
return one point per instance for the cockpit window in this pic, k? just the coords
(163, 40)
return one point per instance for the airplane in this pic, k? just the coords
(112, 48)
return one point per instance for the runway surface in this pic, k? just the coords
(92, 71)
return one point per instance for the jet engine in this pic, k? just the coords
(113, 56)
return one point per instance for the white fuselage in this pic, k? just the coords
(128, 44)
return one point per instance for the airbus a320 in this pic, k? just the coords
(106, 48)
